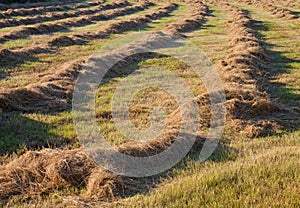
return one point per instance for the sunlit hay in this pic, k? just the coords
(103, 185)
(192, 21)
(56, 94)
(115, 27)
(275, 10)
(85, 19)
(62, 41)
(41, 172)
(52, 91)
(243, 70)
(8, 56)
(49, 5)
(29, 19)
(36, 172)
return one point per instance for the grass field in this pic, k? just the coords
(253, 46)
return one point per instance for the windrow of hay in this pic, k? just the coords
(285, 3)
(45, 28)
(55, 91)
(4, 7)
(272, 8)
(250, 110)
(193, 21)
(42, 9)
(59, 16)
(8, 56)
(120, 26)
(16, 56)
(38, 172)
(51, 92)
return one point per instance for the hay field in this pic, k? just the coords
(253, 45)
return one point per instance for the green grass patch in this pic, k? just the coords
(264, 173)
(19, 43)
(35, 131)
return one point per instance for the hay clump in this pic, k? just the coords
(192, 22)
(41, 172)
(63, 41)
(250, 110)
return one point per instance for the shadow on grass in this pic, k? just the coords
(10, 60)
(279, 65)
(144, 185)
(296, 13)
(8, 64)
(36, 135)
(19, 133)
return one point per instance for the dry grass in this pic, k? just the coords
(264, 173)
(39, 78)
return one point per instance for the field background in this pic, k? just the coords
(254, 46)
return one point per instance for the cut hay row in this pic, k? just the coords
(44, 28)
(4, 7)
(115, 27)
(51, 92)
(42, 10)
(41, 29)
(7, 55)
(73, 167)
(276, 11)
(55, 91)
(287, 3)
(280, 12)
(192, 22)
(60, 16)
(42, 172)
(243, 71)
(17, 56)
(37, 172)
(290, 4)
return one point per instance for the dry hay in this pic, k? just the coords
(286, 3)
(65, 41)
(45, 28)
(14, 6)
(60, 16)
(271, 7)
(121, 25)
(7, 55)
(39, 172)
(51, 92)
(280, 12)
(192, 22)
(250, 110)
(36, 173)
(35, 11)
